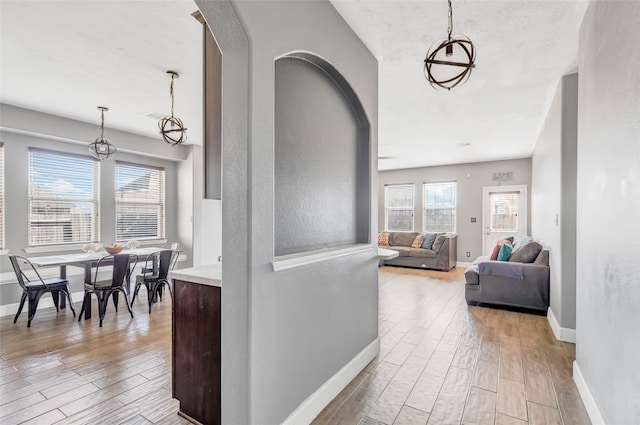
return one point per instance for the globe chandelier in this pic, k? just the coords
(450, 60)
(172, 129)
(102, 148)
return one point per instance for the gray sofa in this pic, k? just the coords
(442, 257)
(507, 283)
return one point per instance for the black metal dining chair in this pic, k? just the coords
(155, 275)
(32, 290)
(122, 264)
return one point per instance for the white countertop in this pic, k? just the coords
(204, 275)
(387, 254)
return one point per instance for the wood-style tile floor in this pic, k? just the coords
(442, 362)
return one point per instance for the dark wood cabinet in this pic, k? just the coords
(196, 351)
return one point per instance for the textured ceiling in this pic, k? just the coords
(523, 48)
(67, 57)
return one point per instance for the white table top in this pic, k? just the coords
(205, 275)
(84, 257)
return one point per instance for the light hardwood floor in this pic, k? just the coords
(440, 363)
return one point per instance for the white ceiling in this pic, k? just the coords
(67, 57)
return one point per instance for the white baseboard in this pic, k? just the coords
(562, 334)
(462, 264)
(45, 301)
(587, 397)
(313, 405)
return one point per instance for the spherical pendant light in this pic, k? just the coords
(172, 129)
(450, 60)
(102, 148)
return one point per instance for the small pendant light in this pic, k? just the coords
(102, 148)
(172, 129)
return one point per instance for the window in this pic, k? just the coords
(64, 200)
(439, 207)
(504, 211)
(1, 195)
(139, 202)
(399, 208)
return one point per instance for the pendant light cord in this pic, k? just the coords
(102, 127)
(450, 27)
(171, 93)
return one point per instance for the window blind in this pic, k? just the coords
(440, 207)
(399, 207)
(64, 198)
(140, 209)
(504, 211)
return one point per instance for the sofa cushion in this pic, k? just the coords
(422, 253)
(439, 242)
(526, 250)
(383, 238)
(403, 251)
(417, 242)
(429, 239)
(505, 252)
(402, 238)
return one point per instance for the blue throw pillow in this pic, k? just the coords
(505, 252)
(429, 239)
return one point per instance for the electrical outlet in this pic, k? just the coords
(473, 219)
(468, 254)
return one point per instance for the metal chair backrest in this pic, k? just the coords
(122, 266)
(165, 258)
(22, 278)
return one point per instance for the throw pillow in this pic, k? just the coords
(439, 242)
(526, 251)
(417, 242)
(505, 252)
(429, 239)
(510, 239)
(496, 251)
(383, 238)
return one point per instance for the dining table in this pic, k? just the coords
(87, 260)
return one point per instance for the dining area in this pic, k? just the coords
(115, 273)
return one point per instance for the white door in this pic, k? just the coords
(504, 214)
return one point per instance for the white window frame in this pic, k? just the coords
(387, 208)
(436, 207)
(94, 199)
(2, 227)
(161, 203)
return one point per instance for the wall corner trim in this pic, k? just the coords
(587, 397)
(296, 260)
(562, 334)
(313, 405)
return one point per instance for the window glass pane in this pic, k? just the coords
(139, 202)
(440, 207)
(399, 207)
(504, 211)
(63, 198)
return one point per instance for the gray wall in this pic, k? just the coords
(301, 325)
(17, 177)
(553, 197)
(608, 241)
(471, 178)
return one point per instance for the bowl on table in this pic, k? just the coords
(115, 249)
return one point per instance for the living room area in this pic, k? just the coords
(330, 136)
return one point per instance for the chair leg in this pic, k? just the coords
(126, 299)
(56, 300)
(68, 294)
(103, 300)
(135, 293)
(33, 306)
(151, 293)
(115, 300)
(87, 298)
(22, 300)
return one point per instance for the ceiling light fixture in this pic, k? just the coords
(102, 148)
(449, 60)
(172, 129)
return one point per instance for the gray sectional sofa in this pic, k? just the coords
(442, 256)
(510, 283)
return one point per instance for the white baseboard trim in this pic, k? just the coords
(562, 334)
(313, 405)
(462, 264)
(587, 397)
(45, 301)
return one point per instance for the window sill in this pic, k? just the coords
(297, 260)
(78, 246)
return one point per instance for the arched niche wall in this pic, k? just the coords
(322, 196)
